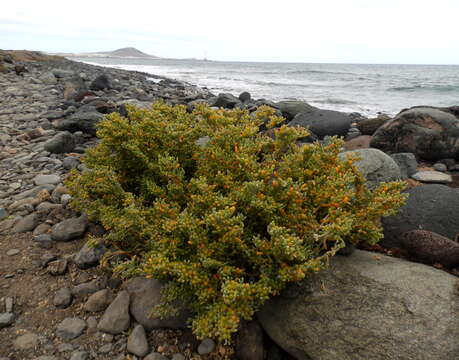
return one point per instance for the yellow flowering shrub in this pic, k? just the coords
(223, 214)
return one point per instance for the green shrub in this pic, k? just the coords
(223, 214)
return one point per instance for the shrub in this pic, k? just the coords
(224, 215)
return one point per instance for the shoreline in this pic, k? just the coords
(52, 292)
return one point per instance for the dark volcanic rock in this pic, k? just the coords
(227, 101)
(62, 142)
(430, 207)
(323, 122)
(430, 133)
(84, 121)
(290, 109)
(367, 306)
(102, 82)
(431, 248)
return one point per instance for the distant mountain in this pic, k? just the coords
(128, 52)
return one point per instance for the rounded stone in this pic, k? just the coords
(70, 328)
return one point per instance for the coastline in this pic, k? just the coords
(49, 108)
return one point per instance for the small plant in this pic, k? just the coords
(223, 214)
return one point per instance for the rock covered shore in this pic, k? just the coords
(55, 303)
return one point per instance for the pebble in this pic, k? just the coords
(6, 319)
(9, 304)
(47, 179)
(206, 347)
(79, 355)
(13, 252)
(178, 357)
(3, 213)
(62, 298)
(44, 241)
(106, 348)
(98, 301)
(57, 267)
(26, 341)
(155, 356)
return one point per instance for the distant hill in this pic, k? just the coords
(128, 52)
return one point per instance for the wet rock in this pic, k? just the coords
(70, 328)
(69, 229)
(62, 298)
(137, 343)
(62, 142)
(116, 317)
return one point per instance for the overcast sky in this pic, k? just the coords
(349, 31)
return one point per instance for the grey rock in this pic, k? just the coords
(6, 319)
(3, 213)
(137, 343)
(13, 252)
(430, 133)
(46, 258)
(44, 241)
(26, 341)
(99, 301)
(226, 100)
(432, 177)
(102, 82)
(65, 347)
(82, 121)
(369, 126)
(323, 122)
(61, 73)
(116, 317)
(26, 224)
(155, 356)
(363, 307)
(178, 357)
(206, 346)
(85, 289)
(79, 355)
(46, 179)
(46, 357)
(106, 348)
(250, 342)
(70, 328)
(89, 256)
(375, 166)
(62, 142)
(407, 163)
(57, 267)
(146, 294)
(62, 298)
(9, 304)
(245, 96)
(440, 167)
(70, 163)
(291, 108)
(429, 207)
(48, 78)
(34, 191)
(69, 229)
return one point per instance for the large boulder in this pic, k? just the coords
(145, 295)
(85, 121)
(323, 122)
(291, 108)
(367, 306)
(431, 207)
(430, 133)
(375, 166)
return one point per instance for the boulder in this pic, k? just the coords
(430, 133)
(101, 82)
(376, 166)
(62, 142)
(367, 306)
(431, 248)
(227, 101)
(291, 108)
(407, 163)
(429, 207)
(369, 126)
(146, 294)
(84, 121)
(245, 97)
(323, 122)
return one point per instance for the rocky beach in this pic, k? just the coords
(396, 300)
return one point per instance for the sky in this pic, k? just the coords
(331, 31)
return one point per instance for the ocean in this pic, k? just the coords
(367, 89)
